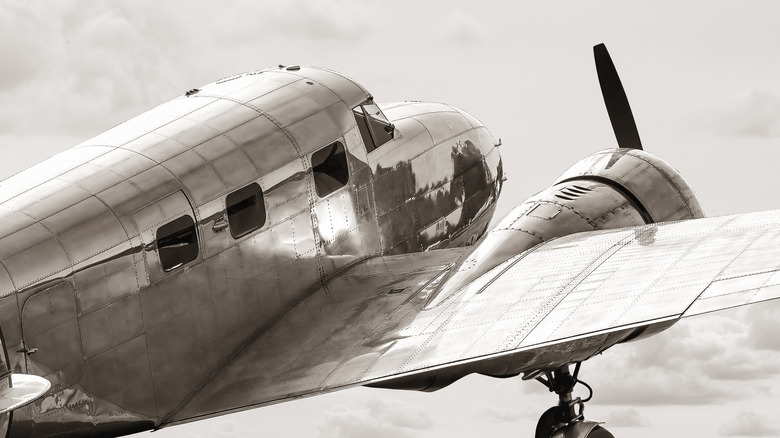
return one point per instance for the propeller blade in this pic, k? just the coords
(616, 101)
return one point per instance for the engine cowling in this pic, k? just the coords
(610, 189)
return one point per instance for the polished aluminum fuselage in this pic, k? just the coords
(127, 344)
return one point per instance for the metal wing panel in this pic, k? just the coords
(557, 300)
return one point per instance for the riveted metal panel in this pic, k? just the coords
(218, 110)
(268, 102)
(52, 198)
(36, 262)
(302, 236)
(77, 228)
(42, 172)
(288, 198)
(234, 116)
(214, 148)
(49, 324)
(402, 110)
(187, 132)
(213, 241)
(335, 217)
(149, 121)
(353, 141)
(346, 89)
(133, 390)
(264, 143)
(124, 162)
(139, 191)
(275, 179)
(157, 147)
(295, 102)
(443, 126)
(202, 183)
(250, 86)
(13, 220)
(184, 163)
(321, 127)
(106, 282)
(6, 285)
(235, 169)
(81, 158)
(414, 140)
(110, 326)
(22, 239)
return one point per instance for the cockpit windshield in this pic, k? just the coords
(375, 129)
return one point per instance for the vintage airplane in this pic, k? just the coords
(277, 234)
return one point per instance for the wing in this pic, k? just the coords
(561, 301)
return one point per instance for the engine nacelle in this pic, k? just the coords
(610, 189)
(656, 190)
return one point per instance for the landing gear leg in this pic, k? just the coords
(567, 420)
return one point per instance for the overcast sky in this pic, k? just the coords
(703, 78)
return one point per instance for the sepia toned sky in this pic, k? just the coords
(703, 78)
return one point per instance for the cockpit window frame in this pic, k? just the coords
(368, 121)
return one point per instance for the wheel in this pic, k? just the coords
(552, 420)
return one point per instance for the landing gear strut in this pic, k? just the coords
(567, 420)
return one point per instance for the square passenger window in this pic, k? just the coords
(177, 243)
(245, 210)
(329, 166)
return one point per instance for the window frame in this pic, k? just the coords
(162, 249)
(369, 121)
(259, 205)
(338, 144)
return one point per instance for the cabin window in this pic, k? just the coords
(329, 166)
(245, 210)
(177, 243)
(374, 127)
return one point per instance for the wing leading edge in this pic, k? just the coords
(561, 301)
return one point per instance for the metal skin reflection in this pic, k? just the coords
(126, 344)
(354, 287)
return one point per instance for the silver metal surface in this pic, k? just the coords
(384, 279)
(126, 341)
(521, 316)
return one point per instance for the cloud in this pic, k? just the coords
(703, 361)
(376, 418)
(752, 113)
(749, 423)
(461, 28)
(764, 326)
(626, 417)
(493, 413)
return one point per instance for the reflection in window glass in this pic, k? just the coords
(177, 243)
(245, 210)
(364, 132)
(380, 126)
(329, 166)
(374, 127)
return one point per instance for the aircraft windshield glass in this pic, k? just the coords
(375, 129)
